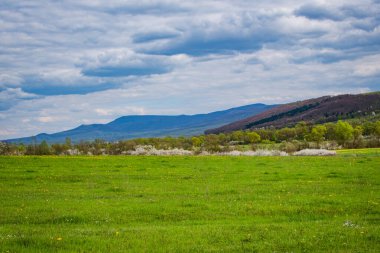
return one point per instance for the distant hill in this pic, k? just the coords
(129, 127)
(318, 110)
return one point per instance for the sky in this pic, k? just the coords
(72, 62)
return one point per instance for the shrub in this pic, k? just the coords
(315, 152)
(259, 152)
(150, 150)
(289, 147)
(343, 132)
(330, 145)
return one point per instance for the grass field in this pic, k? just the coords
(367, 152)
(190, 204)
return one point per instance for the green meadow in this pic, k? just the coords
(191, 204)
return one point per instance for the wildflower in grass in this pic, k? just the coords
(348, 223)
(117, 233)
(59, 238)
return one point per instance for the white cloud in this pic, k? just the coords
(11, 96)
(367, 66)
(72, 62)
(46, 119)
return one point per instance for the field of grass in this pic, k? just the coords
(190, 204)
(367, 152)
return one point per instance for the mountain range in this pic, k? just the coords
(142, 126)
(317, 110)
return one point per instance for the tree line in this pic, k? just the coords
(343, 134)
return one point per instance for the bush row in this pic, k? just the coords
(329, 136)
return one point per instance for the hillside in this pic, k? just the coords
(129, 127)
(318, 110)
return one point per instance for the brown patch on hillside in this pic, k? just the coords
(318, 110)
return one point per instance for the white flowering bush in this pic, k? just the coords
(315, 152)
(204, 153)
(140, 150)
(254, 153)
(263, 152)
(150, 150)
(231, 153)
(175, 151)
(73, 152)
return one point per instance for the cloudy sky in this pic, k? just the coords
(71, 62)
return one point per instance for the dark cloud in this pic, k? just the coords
(49, 90)
(123, 71)
(125, 63)
(11, 96)
(149, 37)
(328, 57)
(318, 12)
(338, 13)
(367, 42)
(242, 32)
(355, 11)
(197, 46)
(147, 8)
